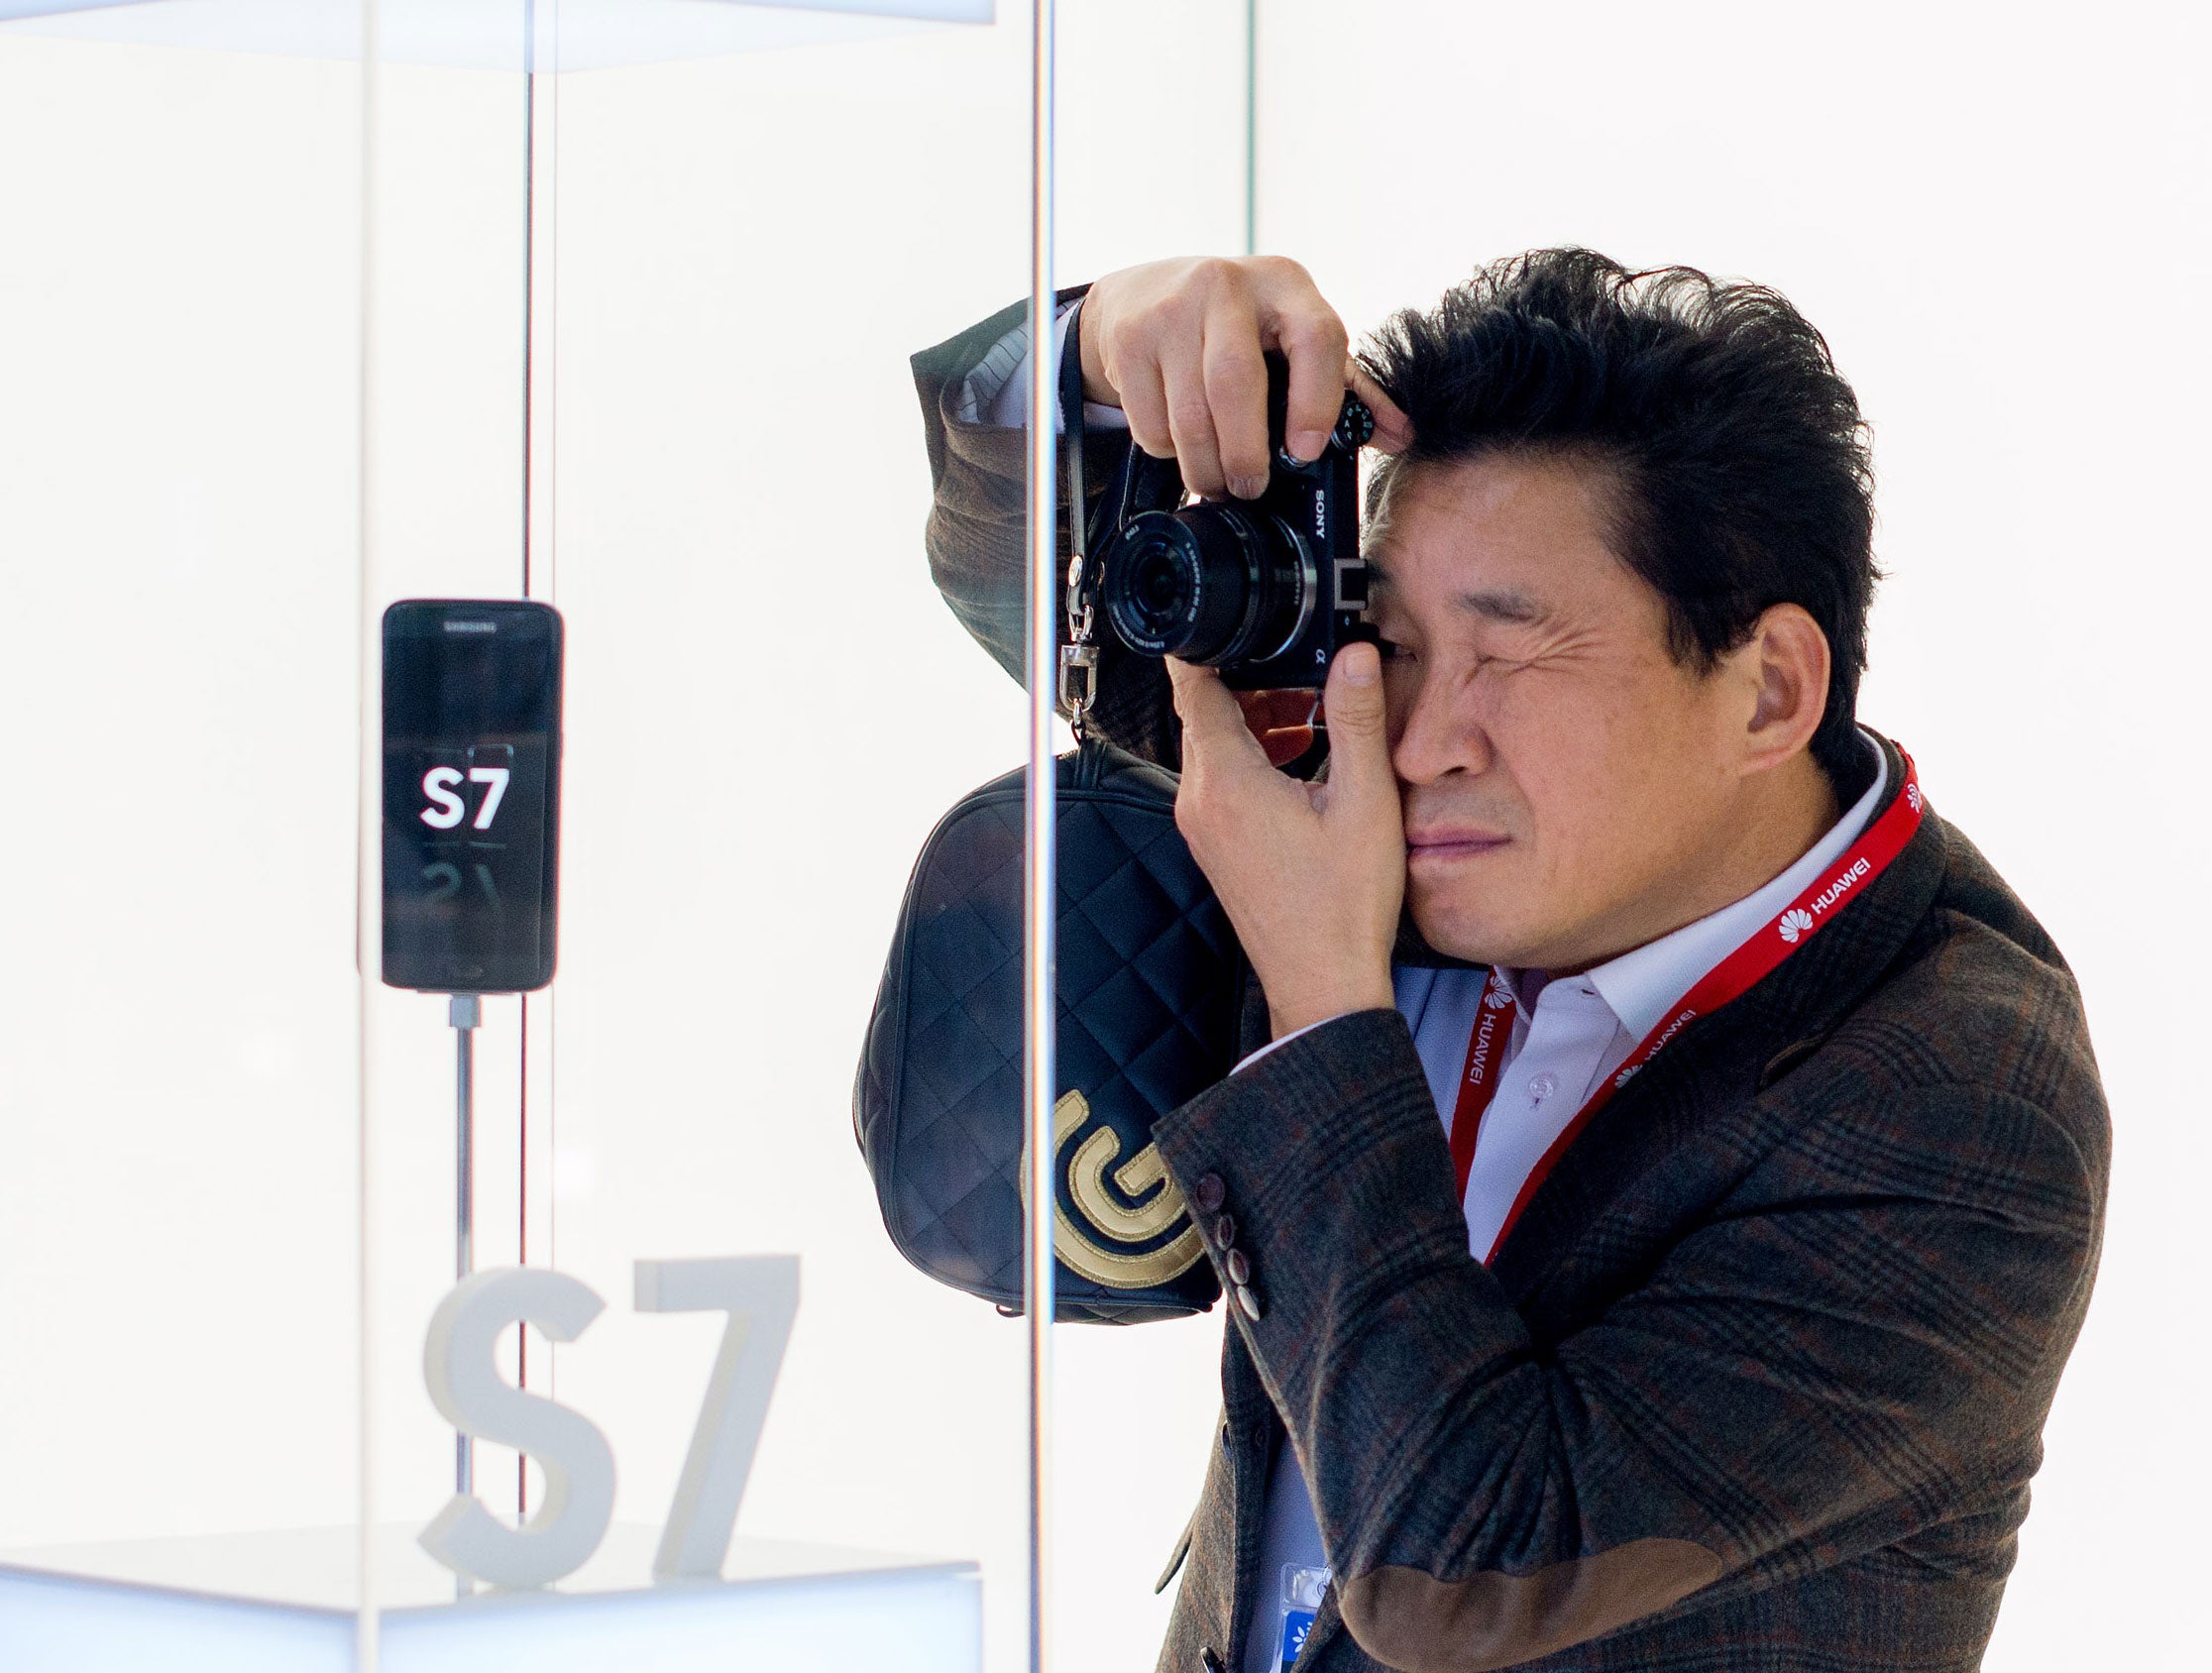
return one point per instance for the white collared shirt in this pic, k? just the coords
(997, 392)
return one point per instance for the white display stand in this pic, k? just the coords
(285, 1602)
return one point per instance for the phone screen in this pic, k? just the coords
(472, 753)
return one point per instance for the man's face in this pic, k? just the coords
(1568, 786)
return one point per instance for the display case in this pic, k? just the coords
(310, 306)
(316, 307)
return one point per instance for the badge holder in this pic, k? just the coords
(1302, 1590)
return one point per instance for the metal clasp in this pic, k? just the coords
(1078, 682)
(1078, 660)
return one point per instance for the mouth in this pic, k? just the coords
(1451, 843)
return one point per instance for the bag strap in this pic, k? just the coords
(1078, 658)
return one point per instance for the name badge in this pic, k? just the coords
(1301, 1599)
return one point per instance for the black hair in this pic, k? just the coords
(1739, 455)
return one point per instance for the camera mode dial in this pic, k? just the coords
(1355, 426)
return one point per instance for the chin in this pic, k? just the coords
(1451, 928)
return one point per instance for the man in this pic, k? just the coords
(1675, 1182)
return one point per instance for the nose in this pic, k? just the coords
(1434, 730)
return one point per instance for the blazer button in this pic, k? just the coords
(1210, 1194)
(1223, 1230)
(1240, 1269)
(1249, 1300)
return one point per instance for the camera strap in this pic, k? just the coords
(1078, 658)
(1775, 940)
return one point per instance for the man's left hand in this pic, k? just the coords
(1312, 875)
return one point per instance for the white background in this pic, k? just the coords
(1997, 216)
(1993, 213)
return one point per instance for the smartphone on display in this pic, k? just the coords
(472, 776)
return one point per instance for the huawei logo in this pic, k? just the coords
(1913, 796)
(1498, 999)
(1795, 923)
(1625, 1076)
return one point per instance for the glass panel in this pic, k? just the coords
(642, 336)
(637, 331)
(768, 710)
(179, 999)
(1152, 163)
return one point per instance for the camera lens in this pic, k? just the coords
(1162, 587)
(1210, 584)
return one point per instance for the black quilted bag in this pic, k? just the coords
(1148, 978)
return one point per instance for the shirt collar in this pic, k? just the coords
(1642, 985)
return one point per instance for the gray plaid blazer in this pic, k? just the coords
(1758, 1379)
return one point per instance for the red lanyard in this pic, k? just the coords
(1774, 941)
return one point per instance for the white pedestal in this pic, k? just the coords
(285, 1602)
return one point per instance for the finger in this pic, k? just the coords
(1236, 378)
(1144, 401)
(1359, 753)
(1214, 730)
(1190, 422)
(1314, 341)
(1393, 431)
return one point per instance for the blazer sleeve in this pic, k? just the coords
(976, 537)
(1808, 1371)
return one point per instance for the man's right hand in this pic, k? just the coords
(1176, 345)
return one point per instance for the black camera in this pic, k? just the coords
(1264, 590)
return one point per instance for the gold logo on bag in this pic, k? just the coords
(1121, 1208)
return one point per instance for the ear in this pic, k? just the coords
(1785, 664)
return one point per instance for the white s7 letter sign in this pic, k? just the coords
(496, 778)
(761, 1294)
(466, 1388)
(446, 809)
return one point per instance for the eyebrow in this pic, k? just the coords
(1492, 604)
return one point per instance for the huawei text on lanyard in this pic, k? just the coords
(1774, 941)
